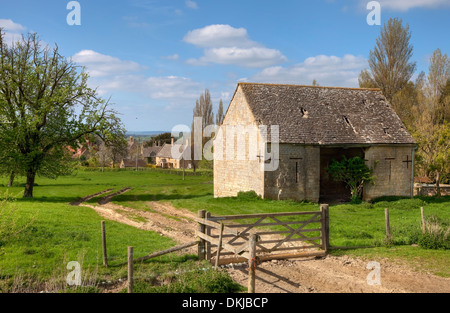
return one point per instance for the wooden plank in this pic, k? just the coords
(263, 233)
(163, 252)
(248, 227)
(265, 215)
(274, 224)
(216, 225)
(350, 247)
(287, 232)
(290, 240)
(280, 256)
(216, 242)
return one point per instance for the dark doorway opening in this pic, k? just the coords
(330, 190)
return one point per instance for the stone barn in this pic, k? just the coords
(315, 126)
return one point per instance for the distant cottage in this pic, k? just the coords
(166, 159)
(316, 124)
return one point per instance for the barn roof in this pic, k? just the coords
(326, 115)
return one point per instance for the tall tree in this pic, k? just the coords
(46, 106)
(389, 61)
(437, 78)
(444, 102)
(204, 109)
(220, 114)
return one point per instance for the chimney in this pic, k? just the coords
(171, 141)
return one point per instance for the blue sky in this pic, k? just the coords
(155, 57)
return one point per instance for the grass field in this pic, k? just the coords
(60, 232)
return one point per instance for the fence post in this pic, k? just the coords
(422, 213)
(105, 256)
(388, 225)
(201, 242)
(252, 263)
(324, 208)
(207, 243)
(219, 247)
(130, 270)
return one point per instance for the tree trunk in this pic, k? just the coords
(438, 187)
(28, 193)
(11, 178)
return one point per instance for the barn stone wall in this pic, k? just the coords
(297, 176)
(393, 171)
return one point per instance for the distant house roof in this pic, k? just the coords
(326, 115)
(166, 151)
(151, 151)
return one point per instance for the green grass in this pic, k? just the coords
(61, 233)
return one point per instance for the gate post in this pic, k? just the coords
(252, 263)
(207, 243)
(324, 208)
(201, 242)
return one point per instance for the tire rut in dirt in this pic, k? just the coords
(108, 198)
(87, 198)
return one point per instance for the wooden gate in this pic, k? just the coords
(280, 235)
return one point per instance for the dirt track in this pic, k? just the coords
(325, 275)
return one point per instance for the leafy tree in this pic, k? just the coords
(389, 62)
(163, 138)
(365, 80)
(353, 172)
(45, 107)
(431, 125)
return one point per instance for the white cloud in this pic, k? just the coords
(327, 70)
(12, 31)
(224, 44)
(10, 26)
(99, 65)
(405, 5)
(172, 57)
(247, 57)
(214, 36)
(191, 4)
(112, 75)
